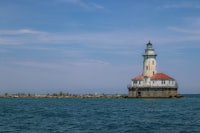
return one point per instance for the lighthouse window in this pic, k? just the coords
(152, 62)
(146, 67)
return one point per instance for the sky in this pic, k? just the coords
(96, 46)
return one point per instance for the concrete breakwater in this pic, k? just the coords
(67, 95)
(62, 95)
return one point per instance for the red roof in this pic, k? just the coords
(140, 77)
(161, 76)
(157, 76)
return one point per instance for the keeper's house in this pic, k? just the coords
(150, 83)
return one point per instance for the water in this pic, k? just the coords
(100, 115)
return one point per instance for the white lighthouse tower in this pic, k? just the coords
(149, 64)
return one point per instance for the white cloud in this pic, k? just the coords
(97, 5)
(84, 4)
(116, 38)
(6, 40)
(29, 36)
(193, 22)
(39, 65)
(63, 65)
(187, 33)
(184, 30)
(183, 4)
(20, 32)
(21, 36)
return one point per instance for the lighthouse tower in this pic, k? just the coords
(149, 64)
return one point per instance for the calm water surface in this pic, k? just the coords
(100, 115)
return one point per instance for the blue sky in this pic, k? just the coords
(96, 46)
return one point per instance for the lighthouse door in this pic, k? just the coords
(139, 94)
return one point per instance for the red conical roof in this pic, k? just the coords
(161, 76)
(157, 76)
(140, 77)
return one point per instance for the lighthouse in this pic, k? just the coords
(151, 83)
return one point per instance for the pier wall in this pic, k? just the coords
(153, 92)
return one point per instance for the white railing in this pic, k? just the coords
(152, 86)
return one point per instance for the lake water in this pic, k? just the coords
(100, 115)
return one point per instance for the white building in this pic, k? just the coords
(151, 83)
